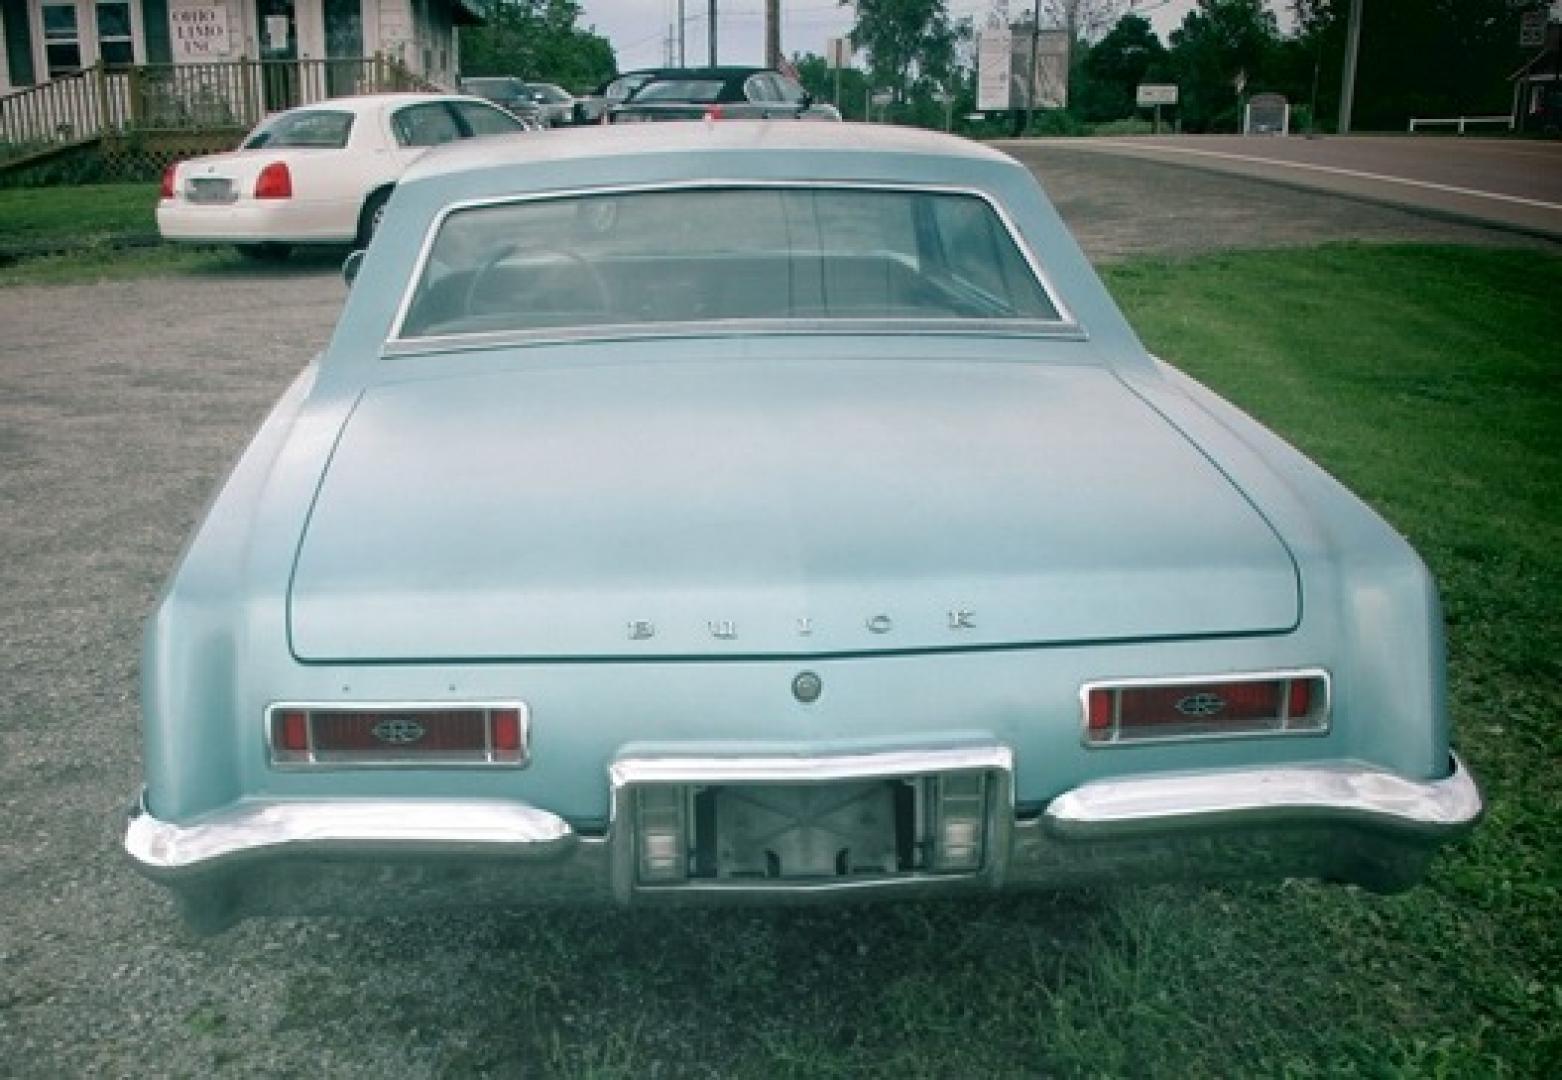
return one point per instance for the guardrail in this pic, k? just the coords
(1461, 121)
(101, 100)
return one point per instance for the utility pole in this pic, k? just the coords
(772, 33)
(681, 22)
(1348, 76)
(711, 19)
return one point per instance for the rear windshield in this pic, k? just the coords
(624, 86)
(548, 92)
(325, 129)
(681, 90)
(694, 255)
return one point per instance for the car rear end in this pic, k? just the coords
(739, 583)
(285, 185)
(787, 689)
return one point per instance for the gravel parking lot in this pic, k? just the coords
(120, 407)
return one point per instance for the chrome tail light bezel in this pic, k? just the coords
(492, 754)
(1317, 721)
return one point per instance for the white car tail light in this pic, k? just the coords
(167, 190)
(1141, 710)
(409, 736)
(274, 182)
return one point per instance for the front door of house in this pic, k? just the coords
(344, 47)
(277, 29)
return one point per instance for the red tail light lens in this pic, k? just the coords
(167, 190)
(274, 182)
(713, 113)
(1185, 709)
(418, 735)
(506, 730)
(290, 731)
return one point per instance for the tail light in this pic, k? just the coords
(274, 182)
(1144, 710)
(713, 113)
(348, 736)
(167, 190)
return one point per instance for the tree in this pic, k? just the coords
(818, 78)
(1418, 57)
(1106, 82)
(537, 39)
(905, 40)
(1215, 45)
(1085, 20)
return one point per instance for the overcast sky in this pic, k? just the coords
(639, 28)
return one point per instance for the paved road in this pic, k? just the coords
(120, 407)
(1516, 184)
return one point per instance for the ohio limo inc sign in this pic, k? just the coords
(199, 30)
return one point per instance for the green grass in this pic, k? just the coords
(75, 216)
(108, 232)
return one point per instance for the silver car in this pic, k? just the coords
(555, 105)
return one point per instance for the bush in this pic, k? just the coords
(1055, 122)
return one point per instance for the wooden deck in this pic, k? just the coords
(119, 106)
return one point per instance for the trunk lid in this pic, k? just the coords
(691, 508)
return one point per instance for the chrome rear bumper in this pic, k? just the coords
(1347, 823)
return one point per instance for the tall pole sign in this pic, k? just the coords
(838, 55)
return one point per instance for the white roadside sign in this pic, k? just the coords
(993, 75)
(1156, 94)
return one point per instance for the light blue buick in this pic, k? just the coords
(740, 512)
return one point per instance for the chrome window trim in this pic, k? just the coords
(314, 766)
(1064, 324)
(1324, 728)
(731, 328)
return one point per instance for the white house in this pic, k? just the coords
(75, 71)
(49, 39)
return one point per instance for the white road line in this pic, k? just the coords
(1355, 173)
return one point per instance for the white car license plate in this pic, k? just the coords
(204, 189)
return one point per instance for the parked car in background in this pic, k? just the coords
(733, 93)
(555, 105)
(316, 175)
(509, 93)
(770, 511)
(590, 108)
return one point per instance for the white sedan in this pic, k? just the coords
(320, 174)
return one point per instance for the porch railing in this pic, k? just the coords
(100, 101)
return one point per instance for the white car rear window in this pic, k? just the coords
(694, 255)
(326, 129)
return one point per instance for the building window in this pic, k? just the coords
(61, 38)
(115, 45)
